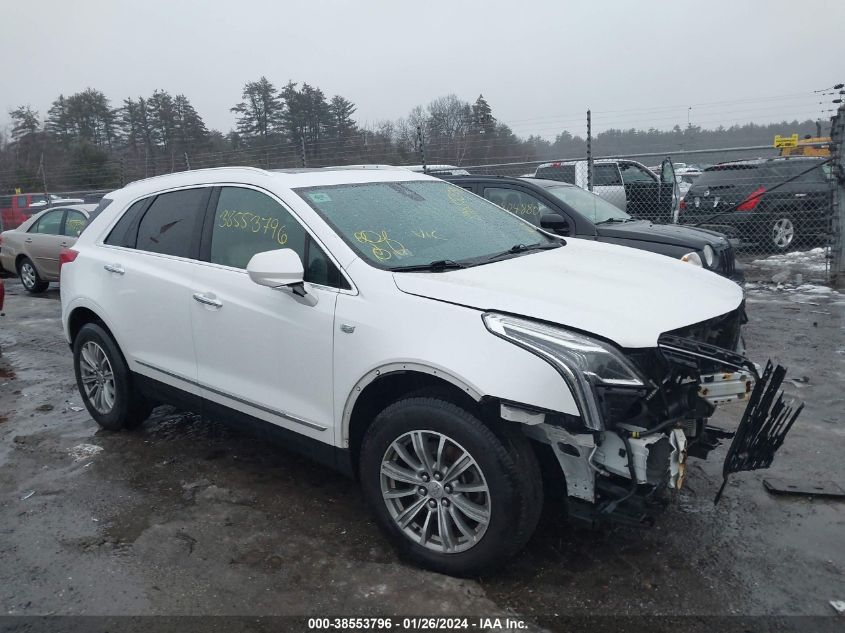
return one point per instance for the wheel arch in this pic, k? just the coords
(392, 382)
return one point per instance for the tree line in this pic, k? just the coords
(85, 142)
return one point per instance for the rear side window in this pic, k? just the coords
(171, 224)
(563, 173)
(123, 234)
(75, 223)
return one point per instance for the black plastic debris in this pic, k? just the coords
(799, 487)
(763, 427)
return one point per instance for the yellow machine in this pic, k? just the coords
(807, 146)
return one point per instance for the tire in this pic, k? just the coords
(503, 464)
(30, 279)
(98, 363)
(782, 232)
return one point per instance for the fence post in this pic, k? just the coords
(421, 148)
(589, 151)
(302, 143)
(837, 137)
(187, 162)
(122, 172)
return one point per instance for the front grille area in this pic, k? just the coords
(728, 261)
(722, 331)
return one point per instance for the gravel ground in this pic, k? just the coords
(186, 516)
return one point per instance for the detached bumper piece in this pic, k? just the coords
(763, 427)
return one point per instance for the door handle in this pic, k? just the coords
(62, 243)
(117, 269)
(28, 240)
(207, 301)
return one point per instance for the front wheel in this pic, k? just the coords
(782, 233)
(451, 494)
(105, 382)
(30, 279)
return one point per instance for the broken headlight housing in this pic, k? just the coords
(584, 362)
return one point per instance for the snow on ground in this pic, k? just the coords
(796, 268)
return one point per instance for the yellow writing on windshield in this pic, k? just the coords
(250, 222)
(427, 235)
(457, 197)
(383, 246)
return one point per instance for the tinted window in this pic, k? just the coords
(49, 223)
(247, 222)
(75, 222)
(122, 233)
(606, 174)
(635, 173)
(519, 203)
(588, 204)
(783, 170)
(723, 174)
(564, 173)
(170, 225)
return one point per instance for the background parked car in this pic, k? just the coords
(32, 249)
(16, 209)
(571, 211)
(629, 185)
(739, 199)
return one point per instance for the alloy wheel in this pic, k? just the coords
(97, 377)
(28, 276)
(435, 492)
(783, 232)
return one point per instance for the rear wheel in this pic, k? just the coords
(782, 234)
(452, 495)
(30, 279)
(105, 382)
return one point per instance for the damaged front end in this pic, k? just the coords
(634, 442)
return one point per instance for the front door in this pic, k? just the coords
(264, 351)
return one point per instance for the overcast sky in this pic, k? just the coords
(539, 64)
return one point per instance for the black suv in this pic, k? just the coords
(571, 211)
(740, 199)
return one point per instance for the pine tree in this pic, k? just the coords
(260, 112)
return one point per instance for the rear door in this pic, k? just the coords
(607, 183)
(145, 274)
(43, 243)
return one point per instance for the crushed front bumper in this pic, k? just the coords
(624, 469)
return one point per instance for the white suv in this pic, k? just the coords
(406, 331)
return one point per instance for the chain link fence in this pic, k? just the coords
(776, 206)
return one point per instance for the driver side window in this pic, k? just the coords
(247, 222)
(635, 173)
(521, 204)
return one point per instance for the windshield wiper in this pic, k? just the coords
(437, 266)
(522, 248)
(611, 220)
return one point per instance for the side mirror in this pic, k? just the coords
(276, 269)
(555, 223)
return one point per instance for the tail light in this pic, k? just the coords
(751, 201)
(66, 256)
(682, 205)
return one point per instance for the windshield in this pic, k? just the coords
(588, 204)
(398, 224)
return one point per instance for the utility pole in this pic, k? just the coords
(421, 148)
(43, 174)
(589, 151)
(837, 138)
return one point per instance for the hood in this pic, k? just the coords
(622, 294)
(662, 234)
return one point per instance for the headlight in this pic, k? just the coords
(692, 258)
(709, 255)
(584, 362)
